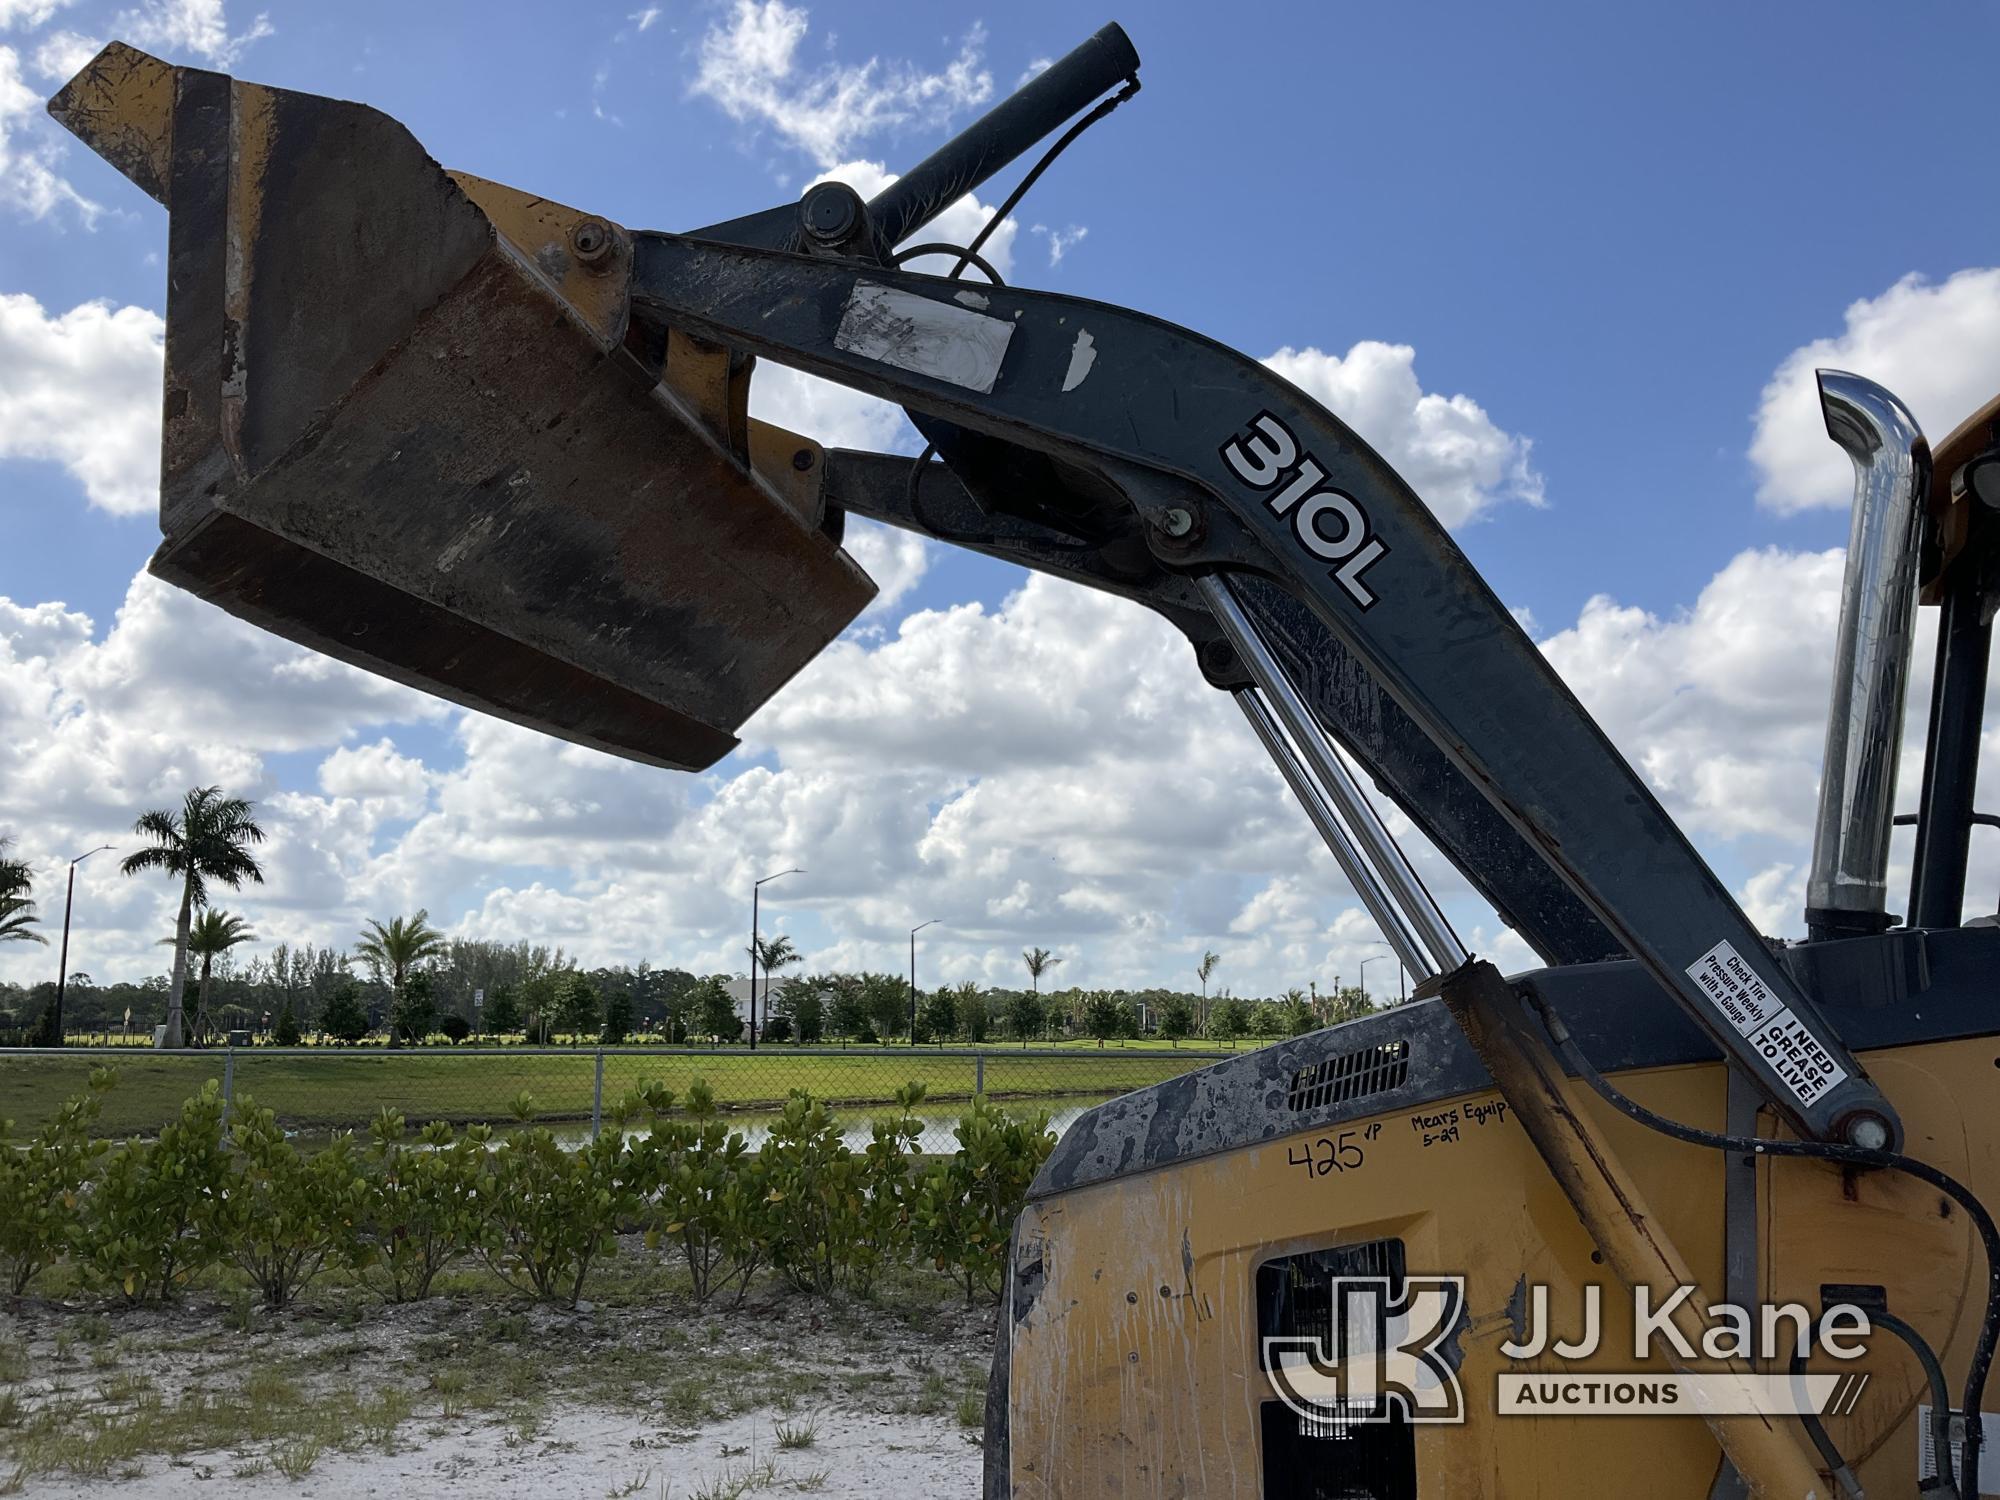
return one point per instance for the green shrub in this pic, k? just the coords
(813, 1195)
(965, 1205)
(42, 1185)
(889, 1169)
(282, 1215)
(702, 1191)
(286, 1033)
(834, 1217)
(554, 1212)
(426, 1204)
(455, 1028)
(150, 1223)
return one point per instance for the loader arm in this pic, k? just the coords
(1232, 470)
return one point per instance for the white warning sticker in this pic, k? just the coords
(1785, 1042)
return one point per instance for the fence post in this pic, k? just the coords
(979, 1076)
(597, 1098)
(228, 1081)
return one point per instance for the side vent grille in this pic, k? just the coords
(1351, 1075)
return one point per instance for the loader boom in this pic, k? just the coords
(1271, 484)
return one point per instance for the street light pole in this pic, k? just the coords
(913, 974)
(1371, 958)
(756, 891)
(69, 901)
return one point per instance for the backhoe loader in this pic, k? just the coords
(1606, 1228)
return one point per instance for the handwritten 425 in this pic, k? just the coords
(1324, 1154)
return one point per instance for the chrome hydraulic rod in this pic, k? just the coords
(1378, 847)
(1375, 895)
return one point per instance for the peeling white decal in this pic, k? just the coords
(973, 299)
(937, 339)
(1082, 355)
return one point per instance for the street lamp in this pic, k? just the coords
(913, 974)
(1370, 959)
(756, 890)
(69, 900)
(1402, 974)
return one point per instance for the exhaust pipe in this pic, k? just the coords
(1847, 890)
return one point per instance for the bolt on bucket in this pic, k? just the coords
(407, 424)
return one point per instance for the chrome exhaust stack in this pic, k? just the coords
(1847, 890)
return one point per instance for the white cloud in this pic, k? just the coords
(62, 55)
(389, 785)
(835, 415)
(82, 389)
(1061, 241)
(26, 15)
(896, 560)
(94, 729)
(196, 28)
(1450, 451)
(30, 151)
(644, 19)
(1721, 706)
(749, 65)
(1936, 345)
(1775, 898)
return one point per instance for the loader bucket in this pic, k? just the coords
(403, 427)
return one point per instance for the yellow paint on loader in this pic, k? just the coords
(1135, 1370)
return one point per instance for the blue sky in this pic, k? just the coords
(1607, 233)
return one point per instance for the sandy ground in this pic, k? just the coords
(637, 1396)
(590, 1454)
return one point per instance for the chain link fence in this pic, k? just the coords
(318, 1090)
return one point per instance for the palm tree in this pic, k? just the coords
(206, 840)
(1039, 962)
(209, 936)
(773, 953)
(1202, 970)
(396, 948)
(17, 907)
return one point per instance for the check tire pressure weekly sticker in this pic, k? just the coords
(1799, 1058)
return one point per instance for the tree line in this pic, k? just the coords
(405, 981)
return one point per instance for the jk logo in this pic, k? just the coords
(1381, 1355)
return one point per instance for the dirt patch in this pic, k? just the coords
(636, 1394)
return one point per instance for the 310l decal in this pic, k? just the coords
(1267, 457)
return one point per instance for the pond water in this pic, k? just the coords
(856, 1123)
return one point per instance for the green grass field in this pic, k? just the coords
(343, 1089)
